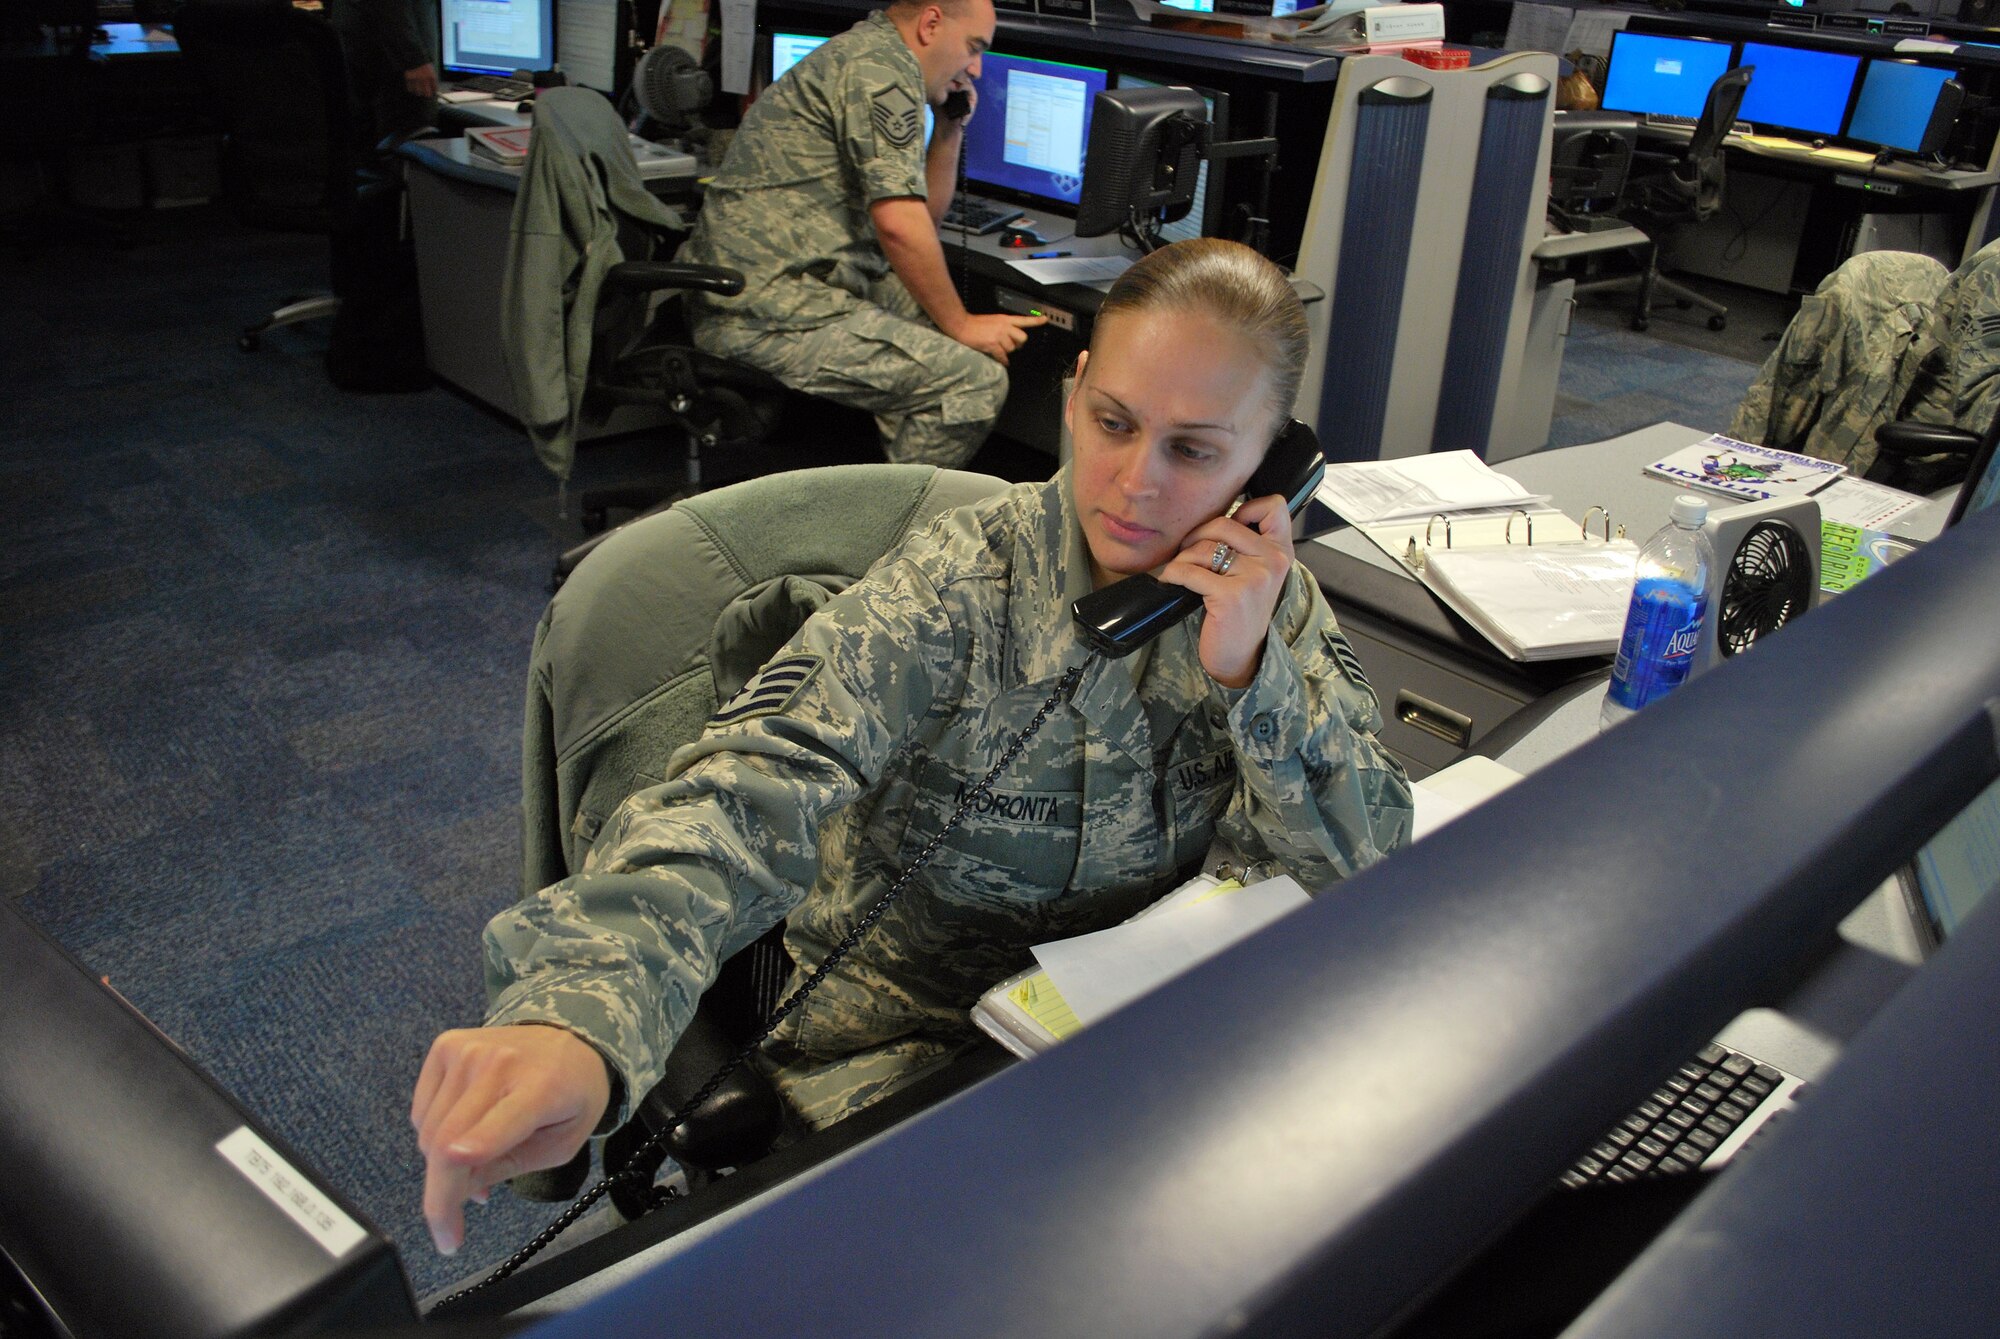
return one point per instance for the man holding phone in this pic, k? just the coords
(829, 203)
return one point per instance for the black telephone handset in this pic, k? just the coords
(1127, 614)
(956, 104)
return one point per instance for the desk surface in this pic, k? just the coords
(1835, 160)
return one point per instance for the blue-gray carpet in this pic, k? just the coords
(261, 657)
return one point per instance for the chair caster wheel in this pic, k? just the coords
(1717, 322)
(1640, 323)
(249, 343)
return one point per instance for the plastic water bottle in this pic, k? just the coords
(1663, 624)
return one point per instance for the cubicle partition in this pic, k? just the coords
(1427, 205)
(1314, 1129)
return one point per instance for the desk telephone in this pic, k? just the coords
(1114, 622)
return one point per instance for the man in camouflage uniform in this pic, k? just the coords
(818, 783)
(828, 202)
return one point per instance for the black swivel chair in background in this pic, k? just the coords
(277, 88)
(1668, 191)
(640, 352)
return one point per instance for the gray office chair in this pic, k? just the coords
(1679, 189)
(277, 88)
(661, 623)
(1886, 368)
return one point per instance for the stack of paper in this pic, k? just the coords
(1077, 981)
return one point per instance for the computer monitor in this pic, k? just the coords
(497, 36)
(1027, 140)
(1662, 76)
(593, 50)
(1898, 106)
(788, 49)
(1204, 215)
(139, 1198)
(1146, 148)
(1590, 157)
(1797, 89)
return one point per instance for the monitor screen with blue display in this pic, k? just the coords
(1897, 98)
(1662, 76)
(788, 49)
(1028, 136)
(1797, 89)
(497, 36)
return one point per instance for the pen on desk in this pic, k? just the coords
(1046, 255)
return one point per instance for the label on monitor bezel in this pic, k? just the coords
(285, 1186)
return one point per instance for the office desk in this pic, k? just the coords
(1522, 976)
(1792, 213)
(461, 207)
(1444, 688)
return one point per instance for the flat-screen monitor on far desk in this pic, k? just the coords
(497, 36)
(1654, 75)
(1797, 89)
(1026, 142)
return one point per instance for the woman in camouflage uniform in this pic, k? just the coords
(814, 786)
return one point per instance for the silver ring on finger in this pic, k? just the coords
(1220, 560)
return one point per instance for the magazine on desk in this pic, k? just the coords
(1744, 470)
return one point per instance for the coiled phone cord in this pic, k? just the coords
(639, 1166)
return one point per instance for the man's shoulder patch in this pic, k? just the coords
(897, 117)
(771, 690)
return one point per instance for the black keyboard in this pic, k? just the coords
(496, 86)
(1687, 1119)
(979, 216)
(1680, 122)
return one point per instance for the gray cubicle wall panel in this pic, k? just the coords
(1493, 265)
(1392, 121)
(1385, 235)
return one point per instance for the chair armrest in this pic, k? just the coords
(648, 276)
(1924, 439)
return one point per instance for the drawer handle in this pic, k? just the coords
(1433, 718)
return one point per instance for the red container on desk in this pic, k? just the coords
(1439, 57)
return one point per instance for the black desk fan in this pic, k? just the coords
(1767, 563)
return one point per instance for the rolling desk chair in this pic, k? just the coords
(670, 616)
(582, 328)
(276, 82)
(1686, 189)
(1886, 368)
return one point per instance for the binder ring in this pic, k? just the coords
(1606, 515)
(1435, 518)
(1508, 533)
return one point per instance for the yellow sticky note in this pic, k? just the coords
(1040, 1000)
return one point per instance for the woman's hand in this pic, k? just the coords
(1241, 598)
(494, 1102)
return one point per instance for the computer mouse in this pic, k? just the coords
(1817, 143)
(1014, 236)
(525, 106)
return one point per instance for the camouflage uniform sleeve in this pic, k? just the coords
(881, 130)
(1315, 789)
(689, 871)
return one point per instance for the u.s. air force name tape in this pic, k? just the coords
(772, 690)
